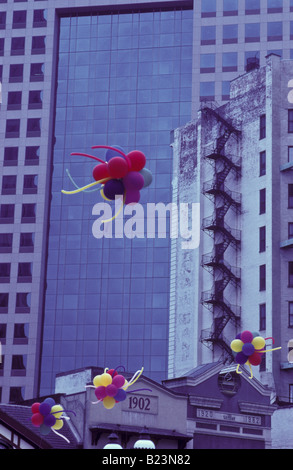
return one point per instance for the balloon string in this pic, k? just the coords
(113, 148)
(89, 156)
(237, 369)
(118, 212)
(78, 187)
(85, 187)
(251, 373)
(133, 379)
(267, 350)
(60, 435)
(103, 195)
(65, 411)
(118, 367)
(90, 386)
(270, 337)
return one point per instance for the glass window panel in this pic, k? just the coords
(19, 19)
(230, 7)
(290, 274)
(275, 31)
(8, 184)
(17, 46)
(252, 32)
(275, 6)
(207, 90)
(208, 35)
(207, 63)
(252, 7)
(229, 63)
(38, 45)
(2, 19)
(37, 72)
(208, 8)
(14, 100)
(10, 156)
(16, 73)
(230, 33)
(40, 20)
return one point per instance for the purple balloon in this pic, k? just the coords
(44, 408)
(100, 392)
(120, 395)
(133, 180)
(113, 188)
(240, 358)
(49, 420)
(248, 349)
(132, 196)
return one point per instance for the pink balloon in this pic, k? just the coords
(111, 390)
(246, 336)
(132, 196)
(118, 381)
(100, 392)
(133, 180)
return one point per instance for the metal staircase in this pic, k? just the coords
(214, 262)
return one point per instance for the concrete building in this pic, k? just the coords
(211, 406)
(239, 169)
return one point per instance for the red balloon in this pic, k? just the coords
(117, 167)
(35, 407)
(137, 159)
(255, 359)
(101, 172)
(112, 372)
(37, 419)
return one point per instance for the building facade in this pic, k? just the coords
(117, 73)
(242, 178)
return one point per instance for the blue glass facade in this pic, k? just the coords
(123, 79)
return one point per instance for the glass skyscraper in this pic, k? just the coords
(123, 79)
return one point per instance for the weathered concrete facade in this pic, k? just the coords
(262, 91)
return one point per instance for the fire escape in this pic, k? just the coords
(215, 225)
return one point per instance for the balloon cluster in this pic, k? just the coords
(127, 174)
(48, 416)
(248, 348)
(110, 387)
(121, 175)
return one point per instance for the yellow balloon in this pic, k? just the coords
(109, 402)
(105, 379)
(59, 424)
(236, 345)
(57, 408)
(258, 342)
(97, 380)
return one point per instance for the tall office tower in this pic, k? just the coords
(242, 156)
(230, 33)
(97, 73)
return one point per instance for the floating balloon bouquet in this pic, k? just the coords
(111, 387)
(121, 175)
(248, 348)
(48, 416)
